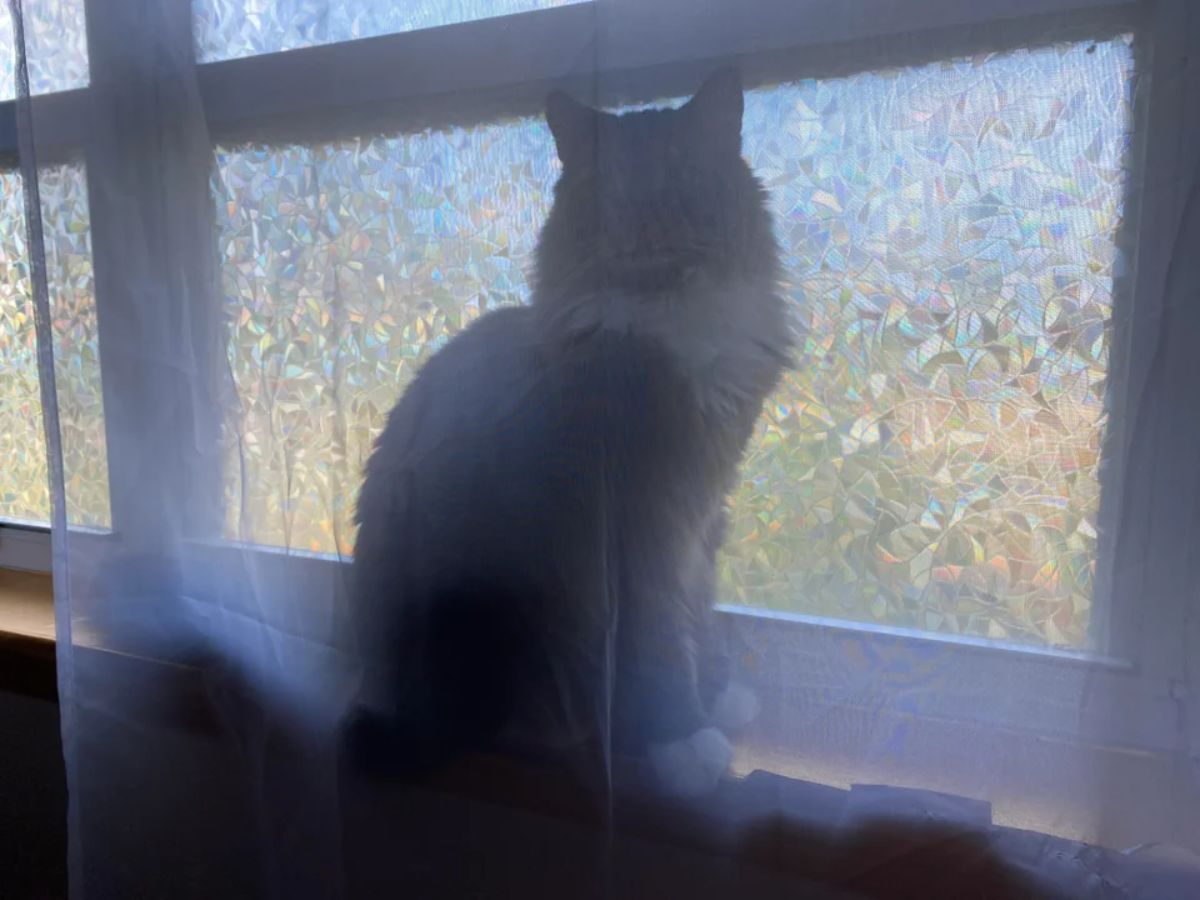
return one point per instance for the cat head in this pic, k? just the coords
(649, 199)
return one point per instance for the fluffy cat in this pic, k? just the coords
(540, 517)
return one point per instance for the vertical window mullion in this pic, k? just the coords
(148, 162)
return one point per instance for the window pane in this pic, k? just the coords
(345, 266)
(55, 47)
(24, 487)
(950, 238)
(949, 234)
(228, 29)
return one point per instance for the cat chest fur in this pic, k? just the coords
(728, 342)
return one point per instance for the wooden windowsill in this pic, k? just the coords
(27, 634)
(26, 605)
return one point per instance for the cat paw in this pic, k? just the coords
(735, 708)
(692, 767)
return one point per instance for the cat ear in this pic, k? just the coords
(716, 110)
(573, 125)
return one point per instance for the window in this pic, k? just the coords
(24, 490)
(56, 43)
(56, 47)
(949, 232)
(343, 267)
(950, 237)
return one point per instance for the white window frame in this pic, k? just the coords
(24, 547)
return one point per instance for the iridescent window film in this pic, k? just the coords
(950, 241)
(345, 266)
(950, 233)
(24, 484)
(228, 29)
(55, 47)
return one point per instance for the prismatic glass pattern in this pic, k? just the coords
(24, 485)
(949, 233)
(228, 29)
(55, 47)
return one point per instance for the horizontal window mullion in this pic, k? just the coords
(612, 51)
(59, 124)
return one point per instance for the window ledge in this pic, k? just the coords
(864, 841)
(24, 547)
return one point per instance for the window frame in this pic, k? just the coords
(24, 547)
(417, 79)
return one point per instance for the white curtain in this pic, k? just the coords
(962, 574)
